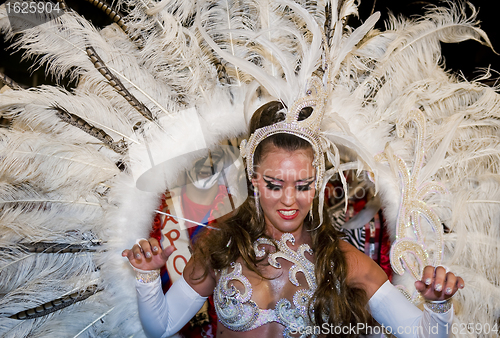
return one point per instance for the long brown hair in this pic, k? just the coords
(333, 302)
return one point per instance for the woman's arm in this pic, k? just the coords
(164, 315)
(391, 309)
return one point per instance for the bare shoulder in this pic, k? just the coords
(200, 277)
(362, 271)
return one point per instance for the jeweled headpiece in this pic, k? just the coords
(307, 129)
(283, 52)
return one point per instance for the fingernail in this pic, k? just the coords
(428, 281)
(461, 285)
(448, 291)
(438, 287)
(155, 248)
(137, 256)
(148, 254)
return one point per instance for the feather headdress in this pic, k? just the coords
(283, 47)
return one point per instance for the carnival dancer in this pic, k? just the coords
(273, 269)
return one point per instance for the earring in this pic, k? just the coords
(256, 200)
(311, 216)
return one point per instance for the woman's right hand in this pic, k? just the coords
(148, 255)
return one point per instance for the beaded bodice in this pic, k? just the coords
(238, 312)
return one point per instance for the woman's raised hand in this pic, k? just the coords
(437, 284)
(148, 254)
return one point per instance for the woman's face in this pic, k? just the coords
(285, 182)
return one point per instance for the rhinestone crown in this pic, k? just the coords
(307, 129)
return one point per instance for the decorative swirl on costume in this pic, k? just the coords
(400, 251)
(292, 318)
(412, 252)
(238, 312)
(301, 263)
(235, 309)
(259, 253)
(287, 315)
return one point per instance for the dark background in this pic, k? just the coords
(463, 58)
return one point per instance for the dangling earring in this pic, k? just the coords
(256, 201)
(311, 216)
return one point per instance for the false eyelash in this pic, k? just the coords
(275, 187)
(271, 186)
(304, 187)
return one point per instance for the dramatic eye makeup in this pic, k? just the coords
(271, 185)
(305, 185)
(275, 184)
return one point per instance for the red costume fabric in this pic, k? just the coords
(372, 239)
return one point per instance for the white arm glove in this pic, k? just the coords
(164, 315)
(391, 309)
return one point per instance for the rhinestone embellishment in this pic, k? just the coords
(307, 129)
(238, 312)
(411, 250)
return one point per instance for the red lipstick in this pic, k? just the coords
(289, 215)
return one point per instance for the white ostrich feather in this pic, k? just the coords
(211, 18)
(441, 25)
(292, 88)
(173, 46)
(35, 110)
(155, 95)
(340, 49)
(182, 9)
(62, 50)
(63, 323)
(51, 225)
(51, 165)
(35, 277)
(26, 197)
(448, 25)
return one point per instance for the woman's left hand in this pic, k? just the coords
(437, 284)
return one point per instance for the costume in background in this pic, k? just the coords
(370, 238)
(83, 170)
(205, 322)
